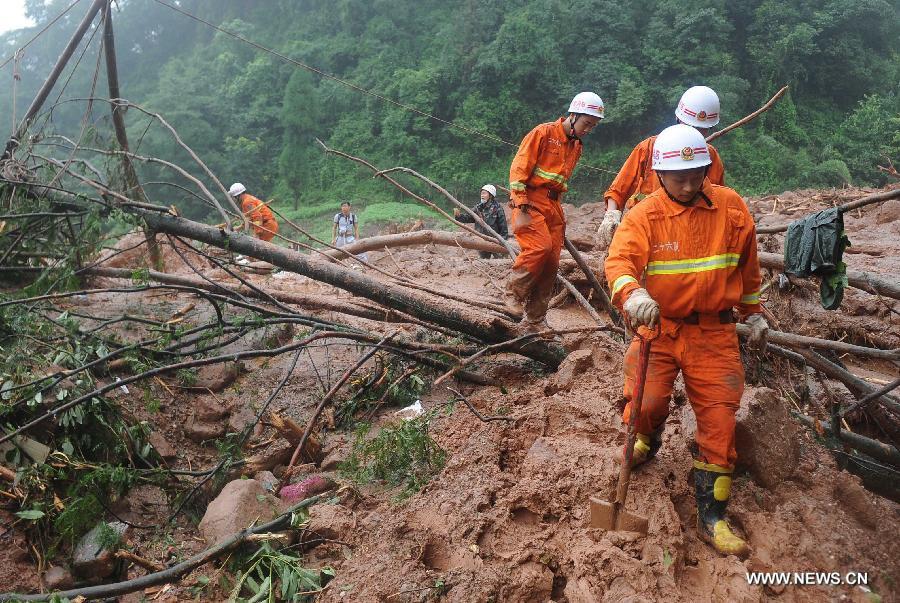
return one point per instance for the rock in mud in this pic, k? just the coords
(766, 438)
(209, 409)
(58, 578)
(241, 504)
(201, 431)
(574, 366)
(888, 212)
(302, 490)
(162, 446)
(267, 480)
(91, 560)
(859, 503)
(217, 377)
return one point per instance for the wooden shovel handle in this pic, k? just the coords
(637, 398)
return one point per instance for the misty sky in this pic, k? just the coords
(12, 15)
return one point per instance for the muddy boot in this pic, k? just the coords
(713, 489)
(645, 448)
(527, 327)
(518, 288)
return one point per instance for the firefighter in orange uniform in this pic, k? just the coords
(698, 107)
(537, 181)
(260, 216)
(686, 258)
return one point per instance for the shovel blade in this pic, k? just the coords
(608, 516)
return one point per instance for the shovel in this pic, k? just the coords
(612, 515)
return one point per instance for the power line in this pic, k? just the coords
(351, 85)
(38, 34)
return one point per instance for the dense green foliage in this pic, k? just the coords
(498, 67)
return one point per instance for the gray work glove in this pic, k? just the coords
(759, 331)
(641, 309)
(607, 229)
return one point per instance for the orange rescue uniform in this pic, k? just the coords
(538, 178)
(636, 179)
(264, 225)
(698, 263)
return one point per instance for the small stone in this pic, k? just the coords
(162, 446)
(267, 480)
(217, 377)
(200, 431)
(209, 409)
(571, 368)
(58, 578)
(91, 560)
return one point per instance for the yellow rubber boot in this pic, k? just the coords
(713, 489)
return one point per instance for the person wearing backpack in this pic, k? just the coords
(345, 229)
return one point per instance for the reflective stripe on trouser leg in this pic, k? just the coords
(661, 372)
(714, 381)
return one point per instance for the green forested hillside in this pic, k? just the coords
(495, 66)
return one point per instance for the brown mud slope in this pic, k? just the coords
(507, 518)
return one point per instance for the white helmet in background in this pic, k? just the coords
(491, 189)
(680, 147)
(587, 103)
(237, 189)
(699, 107)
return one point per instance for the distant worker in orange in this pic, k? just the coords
(698, 107)
(260, 216)
(685, 257)
(537, 181)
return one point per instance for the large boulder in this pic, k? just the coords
(766, 437)
(241, 504)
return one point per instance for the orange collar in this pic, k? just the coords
(672, 208)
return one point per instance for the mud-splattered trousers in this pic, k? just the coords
(699, 263)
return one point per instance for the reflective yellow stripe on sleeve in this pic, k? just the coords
(750, 298)
(517, 186)
(621, 282)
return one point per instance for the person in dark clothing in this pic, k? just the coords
(490, 211)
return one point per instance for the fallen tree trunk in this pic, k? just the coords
(865, 281)
(418, 237)
(857, 386)
(875, 449)
(862, 202)
(802, 342)
(429, 309)
(309, 302)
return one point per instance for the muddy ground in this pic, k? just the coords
(507, 518)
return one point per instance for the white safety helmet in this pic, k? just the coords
(680, 147)
(699, 107)
(587, 103)
(237, 189)
(491, 189)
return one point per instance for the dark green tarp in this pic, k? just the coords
(814, 246)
